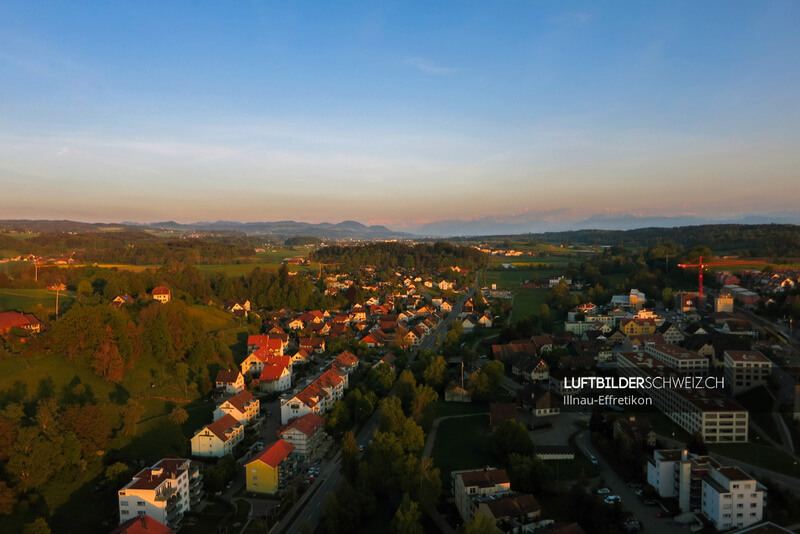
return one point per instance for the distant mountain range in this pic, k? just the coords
(541, 223)
(533, 222)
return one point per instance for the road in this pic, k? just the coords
(306, 514)
(645, 514)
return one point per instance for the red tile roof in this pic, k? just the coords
(346, 359)
(308, 424)
(11, 319)
(268, 343)
(274, 368)
(222, 425)
(161, 290)
(144, 524)
(275, 453)
(240, 400)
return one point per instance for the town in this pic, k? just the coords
(492, 386)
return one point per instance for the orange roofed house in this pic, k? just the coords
(271, 469)
(304, 433)
(12, 319)
(162, 294)
(318, 397)
(242, 406)
(219, 438)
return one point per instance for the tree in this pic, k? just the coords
(511, 437)
(433, 375)
(178, 415)
(90, 426)
(7, 499)
(482, 524)
(39, 526)
(131, 415)
(407, 517)
(116, 471)
(349, 456)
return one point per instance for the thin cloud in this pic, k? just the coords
(428, 67)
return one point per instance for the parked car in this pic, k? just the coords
(603, 491)
(360, 448)
(611, 499)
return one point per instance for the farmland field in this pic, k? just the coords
(27, 299)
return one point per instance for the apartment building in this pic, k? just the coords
(271, 469)
(676, 473)
(304, 433)
(318, 397)
(716, 418)
(745, 369)
(682, 360)
(164, 492)
(471, 487)
(732, 498)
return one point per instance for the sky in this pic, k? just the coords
(397, 113)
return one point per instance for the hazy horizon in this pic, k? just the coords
(395, 115)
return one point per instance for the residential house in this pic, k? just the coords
(521, 509)
(271, 469)
(162, 294)
(231, 381)
(121, 300)
(318, 397)
(219, 438)
(346, 361)
(314, 345)
(276, 375)
(305, 433)
(545, 403)
(12, 319)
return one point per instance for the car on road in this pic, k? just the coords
(603, 491)
(649, 502)
(229, 484)
(611, 499)
(360, 448)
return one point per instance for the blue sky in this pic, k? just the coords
(397, 113)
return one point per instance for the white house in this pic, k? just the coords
(219, 438)
(242, 406)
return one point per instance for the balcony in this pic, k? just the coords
(165, 494)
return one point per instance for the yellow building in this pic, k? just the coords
(269, 471)
(637, 327)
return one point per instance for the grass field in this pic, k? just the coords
(27, 299)
(527, 302)
(759, 455)
(759, 402)
(462, 443)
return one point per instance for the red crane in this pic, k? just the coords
(700, 265)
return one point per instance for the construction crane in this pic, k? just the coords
(700, 266)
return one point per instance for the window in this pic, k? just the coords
(124, 512)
